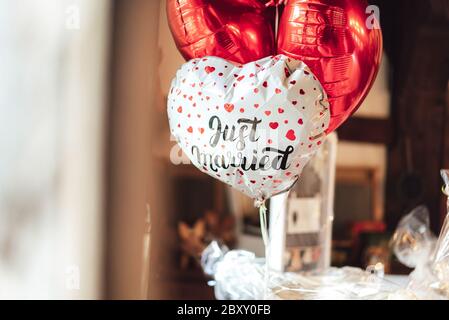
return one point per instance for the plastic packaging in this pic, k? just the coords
(240, 275)
(440, 259)
(415, 246)
(413, 242)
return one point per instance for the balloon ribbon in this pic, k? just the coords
(263, 223)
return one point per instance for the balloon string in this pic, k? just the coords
(263, 223)
(264, 231)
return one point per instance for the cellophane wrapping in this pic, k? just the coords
(416, 247)
(240, 275)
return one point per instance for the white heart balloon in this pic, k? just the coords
(253, 126)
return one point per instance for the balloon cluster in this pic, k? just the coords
(250, 106)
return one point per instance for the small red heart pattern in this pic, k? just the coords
(229, 107)
(209, 69)
(259, 123)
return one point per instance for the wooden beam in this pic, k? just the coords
(366, 130)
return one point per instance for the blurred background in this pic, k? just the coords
(96, 201)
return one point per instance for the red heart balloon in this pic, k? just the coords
(236, 30)
(342, 45)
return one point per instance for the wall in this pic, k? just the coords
(376, 105)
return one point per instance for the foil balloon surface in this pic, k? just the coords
(341, 42)
(252, 126)
(237, 30)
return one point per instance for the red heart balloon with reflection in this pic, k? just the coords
(337, 39)
(238, 30)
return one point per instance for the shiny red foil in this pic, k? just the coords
(332, 38)
(237, 30)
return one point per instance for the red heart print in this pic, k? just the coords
(209, 69)
(229, 107)
(274, 125)
(291, 135)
